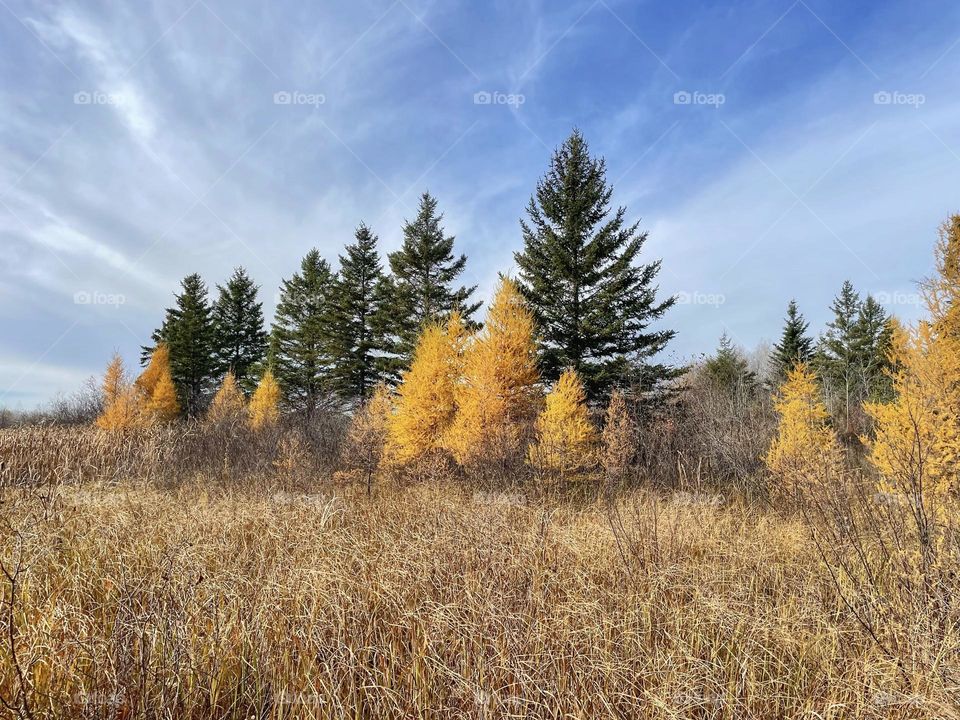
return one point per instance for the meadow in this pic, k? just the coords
(168, 583)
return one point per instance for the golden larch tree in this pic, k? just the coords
(122, 404)
(805, 447)
(156, 386)
(916, 442)
(228, 403)
(264, 407)
(566, 440)
(426, 397)
(497, 395)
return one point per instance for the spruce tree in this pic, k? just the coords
(837, 355)
(594, 304)
(424, 272)
(300, 341)
(358, 328)
(728, 369)
(872, 338)
(239, 336)
(795, 345)
(189, 334)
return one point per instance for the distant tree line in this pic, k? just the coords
(339, 333)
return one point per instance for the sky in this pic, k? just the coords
(771, 148)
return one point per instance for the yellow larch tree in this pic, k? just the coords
(805, 447)
(566, 440)
(122, 403)
(426, 397)
(497, 395)
(156, 386)
(264, 407)
(916, 442)
(228, 404)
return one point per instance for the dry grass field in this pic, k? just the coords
(199, 599)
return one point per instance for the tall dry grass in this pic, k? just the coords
(202, 601)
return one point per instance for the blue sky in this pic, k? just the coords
(140, 142)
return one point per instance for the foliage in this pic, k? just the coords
(359, 322)
(240, 341)
(497, 396)
(426, 397)
(228, 404)
(264, 406)
(188, 332)
(795, 345)
(121, 400)
(618, 438)
(805, 447)
(424, 272)
(156, 386)
(728, 369)
(300, 343)
(566, 439)
(593, 304)
(363, 451)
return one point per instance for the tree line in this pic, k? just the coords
(340, 332)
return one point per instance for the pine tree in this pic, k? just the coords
(795, 345)
(300, 343)
(228, 404)
(157, 388)
(728, 369)
(872, 335)
(566, 440)
(264, 407)
(358, 330)
(594, 305)
(837, 355)
(497, 396)
(240, 341)
(122, 406)
(188, 332)
(805, 449)
(426, 397)
(424, 272)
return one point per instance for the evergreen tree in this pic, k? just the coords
(358, 329)
(300, 342)
(837, 355)
(795, 345)
(728, 369)
(240, 339)
(424, 271)
(188, 332)
(872, 337)
(593, 303)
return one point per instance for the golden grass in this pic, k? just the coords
(432, 602)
